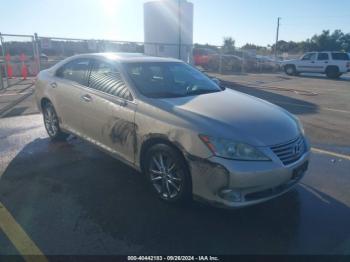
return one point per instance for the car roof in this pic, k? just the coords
(325, 52)
(128, 57)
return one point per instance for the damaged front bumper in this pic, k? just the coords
(233, 184)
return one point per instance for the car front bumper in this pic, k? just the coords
(234, 184)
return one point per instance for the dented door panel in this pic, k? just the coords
(109, 122)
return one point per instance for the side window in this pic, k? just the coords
(75, 70)
(309, 56)
(340, 56)
(323, 56)
(106, 78)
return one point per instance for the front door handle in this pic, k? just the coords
(122, 103)
(53, 84)
(86, 98)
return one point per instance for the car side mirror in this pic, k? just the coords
(219, 83)
(216, 81)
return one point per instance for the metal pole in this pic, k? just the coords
(220, 65)
(243, 61)
(34, 54)
(36, 41)
(277, 34)
(3, 52)
(1, 81)
(180, 28)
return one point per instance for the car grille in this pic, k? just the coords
(291, 151)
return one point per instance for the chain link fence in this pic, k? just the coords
(25, 55)
(237, 61)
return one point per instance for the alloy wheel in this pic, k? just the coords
(165, 176)
(51, 121)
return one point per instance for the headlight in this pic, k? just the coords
(301, 128)
(300, 125)
(232, 150)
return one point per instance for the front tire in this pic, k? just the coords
(290, 70)
(168, 173)
(52, 124)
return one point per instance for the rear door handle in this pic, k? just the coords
(53, 84)
(86, 98)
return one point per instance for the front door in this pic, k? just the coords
(109, 111)
(307, 63)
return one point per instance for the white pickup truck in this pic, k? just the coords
(333, 64)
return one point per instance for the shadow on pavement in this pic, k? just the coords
(56, 190)
(293, 105)
(343, 78)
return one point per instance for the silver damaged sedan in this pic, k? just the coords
(189, 136)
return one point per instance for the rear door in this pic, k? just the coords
(69, 81)
(341, 60)
(109, 110)
(322, 62)
(307, 63)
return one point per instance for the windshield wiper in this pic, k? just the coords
(201, 91)
(164, 95)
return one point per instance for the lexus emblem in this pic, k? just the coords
(296, 149)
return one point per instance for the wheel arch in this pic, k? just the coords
(332, 66)
(292, 65)
(43, 102)
(154, 139)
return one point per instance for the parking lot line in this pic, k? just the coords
(16, 94)
(306, 187)
(326, 152)
(19, 238)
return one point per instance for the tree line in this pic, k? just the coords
(326, 41)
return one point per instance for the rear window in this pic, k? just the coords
(75, 70)
(340, 56)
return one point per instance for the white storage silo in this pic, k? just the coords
(168, 29)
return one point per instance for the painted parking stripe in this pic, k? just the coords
(306, 187)
(326, 152)
(16, 94)
(19, 238)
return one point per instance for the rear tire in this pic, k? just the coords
(52, 124)
(290, 70)
(168, 174)
(333, 72)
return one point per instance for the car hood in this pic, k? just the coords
(234, 115)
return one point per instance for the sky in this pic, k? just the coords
(247, 21)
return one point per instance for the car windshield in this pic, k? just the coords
(169, 79)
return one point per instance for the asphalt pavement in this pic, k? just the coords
(70, 198)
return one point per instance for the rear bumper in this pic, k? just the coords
(233, 184)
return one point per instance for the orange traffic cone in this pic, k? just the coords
(8, 65)
(24, 70)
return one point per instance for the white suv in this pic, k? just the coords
(333, 64)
